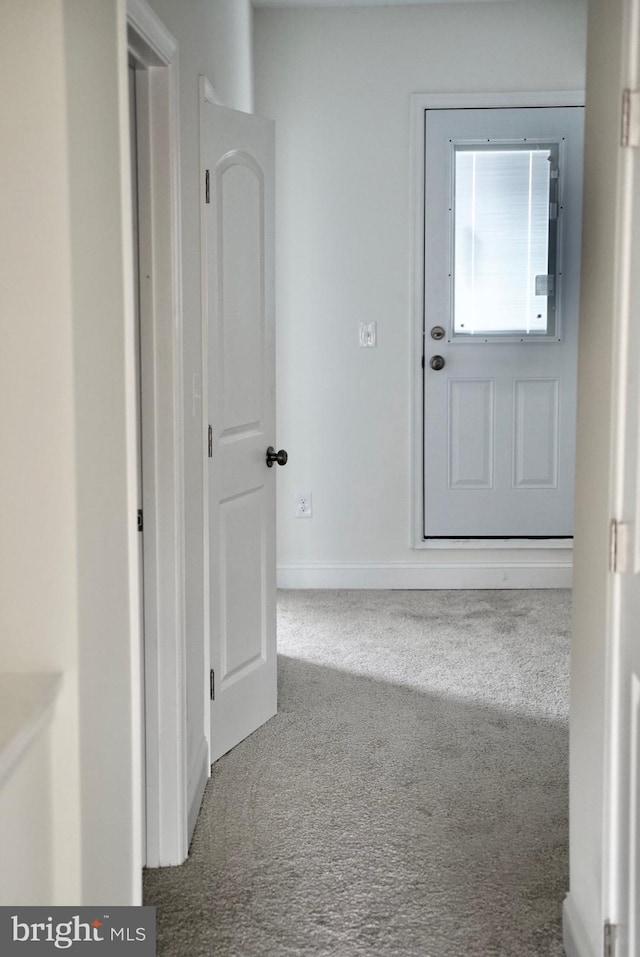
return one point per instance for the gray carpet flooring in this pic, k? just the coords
(410, 797)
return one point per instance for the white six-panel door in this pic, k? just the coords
(499, 415)
(239, 157)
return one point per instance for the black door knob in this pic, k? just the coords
(273, 456)
(436, 363)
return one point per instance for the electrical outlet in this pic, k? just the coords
(303, 505)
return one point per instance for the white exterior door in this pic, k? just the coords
(503, 191)
(239, 158)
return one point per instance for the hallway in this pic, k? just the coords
(408, 799)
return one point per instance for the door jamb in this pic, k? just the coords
(155, 51)
(419, 102)
(206, 94)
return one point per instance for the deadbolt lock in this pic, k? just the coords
(437, 332)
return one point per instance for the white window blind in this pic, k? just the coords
(503, 279)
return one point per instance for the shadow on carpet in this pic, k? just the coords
(372, 819)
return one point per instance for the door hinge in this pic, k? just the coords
(619, 546)
(212, 685)
(210, 443)
(610, 939)
(207, 187)
(630, 118)
(140, 521)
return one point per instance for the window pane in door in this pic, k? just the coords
(504, 219)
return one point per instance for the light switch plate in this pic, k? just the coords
(368, 333)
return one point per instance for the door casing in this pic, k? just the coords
(154, 51)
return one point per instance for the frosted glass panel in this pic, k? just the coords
(504, 240)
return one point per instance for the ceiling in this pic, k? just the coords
(356, 3)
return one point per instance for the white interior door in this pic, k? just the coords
(503, 192)
(239, 158)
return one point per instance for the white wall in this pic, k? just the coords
(38, 614)
(105, 452)
(232, 45)
(67, 540)
(26, 833)
(214, 40)
(337, 82)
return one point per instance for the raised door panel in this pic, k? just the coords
(471, 430)
(242, 534)
(241, 292)
(536, 430)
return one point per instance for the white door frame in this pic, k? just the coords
(155, 52)
(419, 102)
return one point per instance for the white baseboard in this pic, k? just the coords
(198, 777)
(576, 942)
(428, 575)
